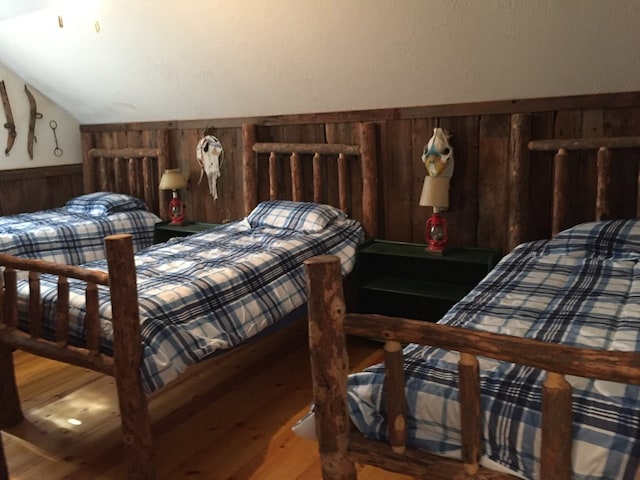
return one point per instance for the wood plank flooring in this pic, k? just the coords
(230, 418)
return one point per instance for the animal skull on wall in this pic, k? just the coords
(210, 156)
(437, 155)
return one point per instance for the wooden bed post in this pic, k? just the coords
(10, 412)
(519, 179)
(329, 366)
(249, 168)
(4, 470)
(127, 358)
(369, 178)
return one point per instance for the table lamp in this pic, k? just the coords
(435, 193)
(173, 180)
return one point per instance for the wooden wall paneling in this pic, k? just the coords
(421, 131)
(198, 208)
(230, 195)
(462, 216)
(540, 179)
(87, 141)
(397, 178)
(345, 133)
(493, 216)
(580, 191)
(622, 122)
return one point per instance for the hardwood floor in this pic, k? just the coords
(230, 419)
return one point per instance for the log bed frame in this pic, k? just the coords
(134, 171)
(341, 445)
(121, 280)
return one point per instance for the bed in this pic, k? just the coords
(74, 234)
(143, 319)
(534, 374)
(119, 198)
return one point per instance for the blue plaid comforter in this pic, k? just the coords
(210, 291)
(580, 288)
(59, 236)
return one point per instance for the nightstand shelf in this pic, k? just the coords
(402, 279)
(163, 231)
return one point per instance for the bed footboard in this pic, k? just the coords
(341, 445)
(127, 343)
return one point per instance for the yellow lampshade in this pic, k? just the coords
(435, 192)
(172, 179)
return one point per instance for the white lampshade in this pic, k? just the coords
(172, 179)
(435, 192)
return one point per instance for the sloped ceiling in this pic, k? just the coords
(189, 59)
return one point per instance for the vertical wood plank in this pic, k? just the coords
(493, 180)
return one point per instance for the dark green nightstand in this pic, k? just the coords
(401, 279)
(163, 231)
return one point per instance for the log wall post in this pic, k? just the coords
(519, 182)
(249, 168)
(329, 365)
(127, 358)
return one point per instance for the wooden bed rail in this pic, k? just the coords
(127, 344)
(341, 446)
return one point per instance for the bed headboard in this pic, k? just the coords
(318, 172)
(556, 183)
(134, 171)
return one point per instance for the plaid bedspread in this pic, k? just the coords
(580, 288)
(211, 291)
(59, 236)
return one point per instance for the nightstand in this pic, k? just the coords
(163, 231)
(401, 279)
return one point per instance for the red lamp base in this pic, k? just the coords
(435, 234)
(176, 211)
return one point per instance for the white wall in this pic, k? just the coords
(68, 131)
(190, 59)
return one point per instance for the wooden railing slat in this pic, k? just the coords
(396, 399)
(35, 305)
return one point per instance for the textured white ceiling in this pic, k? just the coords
(190, 59)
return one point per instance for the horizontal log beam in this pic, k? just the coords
(124, 153)
(307, 148)
(44, 348)
(552, 145)
(622, 367)
(42, 266)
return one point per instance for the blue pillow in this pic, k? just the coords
(104, 203)
(307, 217)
